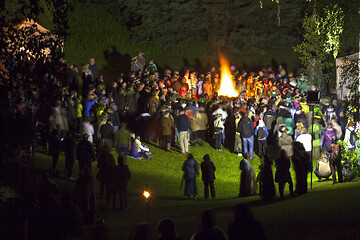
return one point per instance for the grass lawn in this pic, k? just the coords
(327, 212)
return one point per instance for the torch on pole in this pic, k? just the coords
(147, 205)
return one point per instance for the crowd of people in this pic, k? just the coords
(87, 118)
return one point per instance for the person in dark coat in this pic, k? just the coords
(85, 195)
(208, 176)
(191, 170)
(85, 153)
(302, 166)
(244, 226)
(247, 132)
(107, 134)
(54, 148)
(282, 174)
(247, 178)
(121, 175)
(106, 161)
(69, 150)
(266, 180)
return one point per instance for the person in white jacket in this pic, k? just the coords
(139, 150)
(349, 132)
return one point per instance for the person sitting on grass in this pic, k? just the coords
(323, 169)
(139, 150)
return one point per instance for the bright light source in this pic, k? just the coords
(227, 86)
(146, 194)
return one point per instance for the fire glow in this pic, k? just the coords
(227, 86)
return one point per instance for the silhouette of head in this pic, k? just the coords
(207, 220)
(166, 228)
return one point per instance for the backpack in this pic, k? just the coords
(261, 134)
(353, 137)
(335, 152)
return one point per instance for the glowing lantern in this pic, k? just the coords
(146, 194)
(227, 86)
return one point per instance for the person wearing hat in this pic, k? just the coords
(208, 176)
(85, 152)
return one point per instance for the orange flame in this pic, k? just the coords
(227, 86)
(146, 194)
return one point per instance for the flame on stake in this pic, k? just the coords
(227, 86)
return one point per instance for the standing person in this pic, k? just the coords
(218, 131)
(182, 126)
(191, 170)
(285, 141)
(88, 128)
(238, 142)
(106, 162)
(246, 178)
(94, 70)
(121, 177)
(194, 127)
(70, 153)
(302, 166)
(54, 148)
(203, 124)
(167, 124)
(282, 174)
(350, 135)
(315, 131)
(85, 153)
(326, 137)
(266, 180)
(107, 134)
(305, 139)
(335, 160)
(262, 133)
(122, 141)
(247, 132)
(85, 195)
(208, 176)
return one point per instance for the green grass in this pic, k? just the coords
(327, 211)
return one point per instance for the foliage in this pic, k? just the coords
(331, 26)
(311, 50)
(349, 72)
(350, 158)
